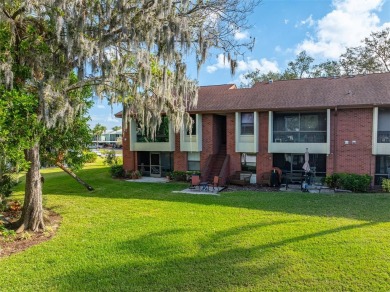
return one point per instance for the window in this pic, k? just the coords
(193, 161)
(247, 123)
(293, 162)
(248, 162)
(193, 129)
(300, 127)
(382, 168)
(162, 133)
(384, 126)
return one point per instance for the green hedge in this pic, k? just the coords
(349, 181)
(386, 185)
(117, 171)
(183, 175)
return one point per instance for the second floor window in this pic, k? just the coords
(247, 123)
(162, 133)
(384, 126)
(193, 129)
(300, 127)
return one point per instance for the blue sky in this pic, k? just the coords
(283, 28)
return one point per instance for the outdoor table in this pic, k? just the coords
(204, 186)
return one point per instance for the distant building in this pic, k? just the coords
(109, 138)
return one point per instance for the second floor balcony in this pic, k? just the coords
(294, 132)
(164, 140)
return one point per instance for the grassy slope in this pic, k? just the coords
(142, 237)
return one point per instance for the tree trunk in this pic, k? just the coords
(72, 174)
(32, 212)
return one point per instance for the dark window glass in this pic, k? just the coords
(383, 126)
(162, 133)
(247, 123)
(300, 128)
(193, 161)
(194, 165)
(193, 129)
(293, 162)
(248, 162)
(382, 168)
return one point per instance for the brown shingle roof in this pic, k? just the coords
(358, 91)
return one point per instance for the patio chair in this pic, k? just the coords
(195, 181)
(215, 183)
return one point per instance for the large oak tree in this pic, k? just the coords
(111, 46)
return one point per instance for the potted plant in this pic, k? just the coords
(135, 174)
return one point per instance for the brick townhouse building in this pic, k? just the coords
(344, 122)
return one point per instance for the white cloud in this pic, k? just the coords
(249, 64)
(345, 26)
(241, 35)
(222, 63)
(307, 22)
(286, 21)
(101, 106)
(263, 65)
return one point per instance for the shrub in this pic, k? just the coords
(8, 235)
(333, 180)
(386, 185)
(117, 171)
(6, 185)
(90, 157)
(349, 181)
(110, 158)
(135, 174)
(179, 175)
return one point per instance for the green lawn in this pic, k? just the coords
(142, 237)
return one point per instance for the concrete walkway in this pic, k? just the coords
(196, 191)
(193, 191)
(147, 179)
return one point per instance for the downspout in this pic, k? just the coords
(335, 138)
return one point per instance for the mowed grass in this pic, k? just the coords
(142, 237)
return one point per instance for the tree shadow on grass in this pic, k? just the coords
(214, 265)
(367, 207)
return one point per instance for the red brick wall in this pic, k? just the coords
(179, 157)
(208, 140)
(264, 159)
(235, 163)
(129, 157)
(351, 125)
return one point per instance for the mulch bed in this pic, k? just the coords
(20, 242)
(250, 187)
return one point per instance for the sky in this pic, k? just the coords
(282, 29)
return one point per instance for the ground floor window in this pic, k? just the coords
(382, 168)
(248, 162)
(292, 162)
(155, 163)
(193, 161)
